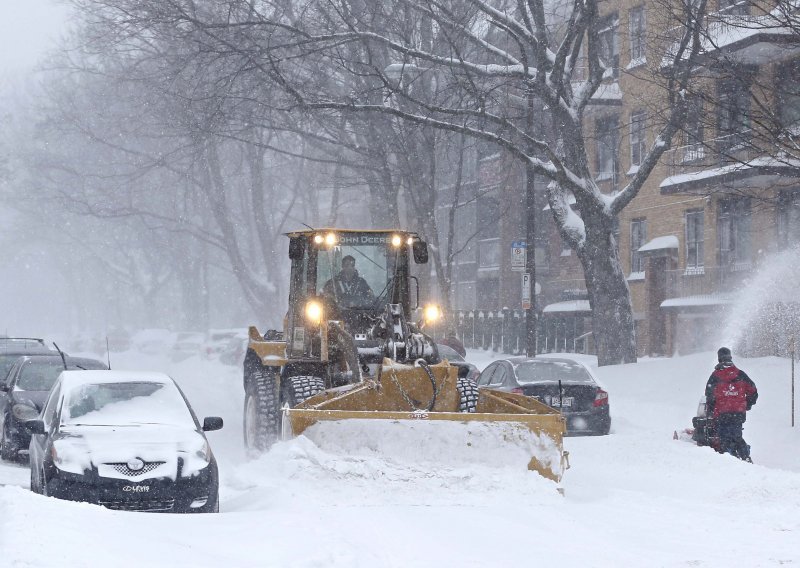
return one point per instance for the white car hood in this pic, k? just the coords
(85, 446)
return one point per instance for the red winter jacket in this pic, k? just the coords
(730, 390)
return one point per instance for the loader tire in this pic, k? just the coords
(301, 388)
(468, 395)
(261, 410)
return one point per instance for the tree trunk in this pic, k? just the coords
(609, 295)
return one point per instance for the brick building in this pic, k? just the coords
(723, 197)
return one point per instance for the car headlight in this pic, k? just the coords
(204, 453)
(69, 458)
(23, 412)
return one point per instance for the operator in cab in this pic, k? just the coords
(348, 289)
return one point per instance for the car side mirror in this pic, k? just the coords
(420, 250)
(297, 247)
(35, 426)
(211, 423)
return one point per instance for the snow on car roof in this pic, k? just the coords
(70, 379)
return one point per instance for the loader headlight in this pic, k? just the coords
(314, 312)
(432, 313)
(330, 239)
(318, 239)
(396, 241)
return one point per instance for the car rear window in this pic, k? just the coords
(448, 353)
(126, 404)
(552, 371)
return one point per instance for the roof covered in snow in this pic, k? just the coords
(72, 378)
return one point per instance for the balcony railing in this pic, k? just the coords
(707, 280)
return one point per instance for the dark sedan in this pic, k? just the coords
(125, 440)
(563, 384)
(465, 370)
(23, 393)
(12, 348)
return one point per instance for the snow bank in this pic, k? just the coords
(634, 498)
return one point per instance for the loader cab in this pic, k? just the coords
(350, 276)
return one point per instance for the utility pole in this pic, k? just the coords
(530, 231)
(791, 354)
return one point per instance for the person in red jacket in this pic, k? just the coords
(730, 393)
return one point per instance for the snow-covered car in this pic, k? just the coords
(187, 344)
(465, 370)
(218, 340)
(126, 440)
(23, 393)
(563, 384)
(234, 351)
(153, 341)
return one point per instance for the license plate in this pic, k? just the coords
(136, 489)
(566, 401)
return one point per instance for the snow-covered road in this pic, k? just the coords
(634, 498)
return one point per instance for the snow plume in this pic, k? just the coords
(766, 310)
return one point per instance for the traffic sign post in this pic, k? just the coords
(519, 256)
(526, 290)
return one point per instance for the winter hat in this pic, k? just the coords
(724, 355)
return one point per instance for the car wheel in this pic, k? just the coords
(467, 395)
(261, 410)
(7, 451)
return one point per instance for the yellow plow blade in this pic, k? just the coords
(401, 411)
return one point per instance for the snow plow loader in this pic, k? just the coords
(351, 364)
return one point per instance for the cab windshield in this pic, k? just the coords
(356, 275)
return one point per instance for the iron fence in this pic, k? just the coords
(504, 331)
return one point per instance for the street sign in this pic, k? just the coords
(519, 255)
(526, 290)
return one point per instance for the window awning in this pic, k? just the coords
(699, 302)
(759, 172)
(570, 306)
(659, 246)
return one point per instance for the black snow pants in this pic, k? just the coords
(729, 429)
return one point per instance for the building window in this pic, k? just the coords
(609, 46)
(636, 24)
(694, 130)
(734, 7)
(489, 254)
(638, 239)
(733, 233)
(638, 138)
(789, 218)
(694, 241)
(607, 148)
(465, 295)
(734, 113)
(788, 96)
